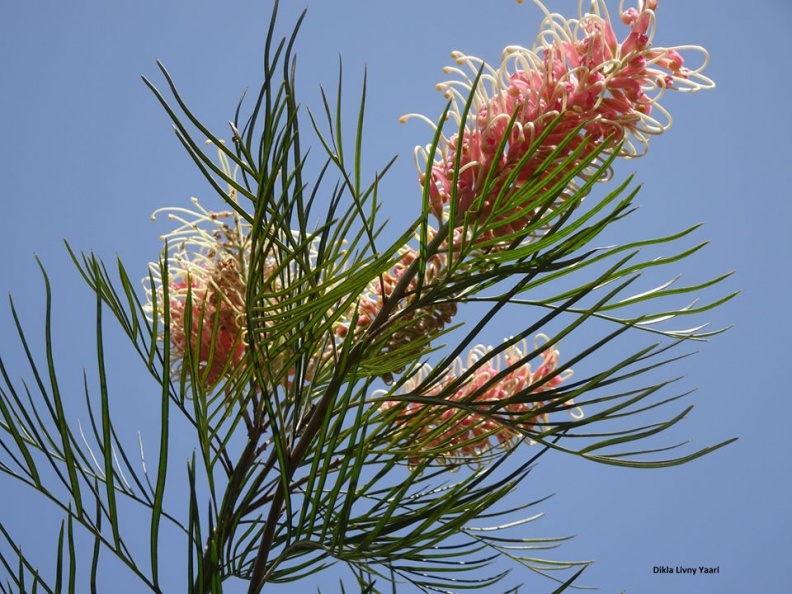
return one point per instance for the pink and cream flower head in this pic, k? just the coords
(577, 76)
(206, 286)
(481, 414)
(208, 267)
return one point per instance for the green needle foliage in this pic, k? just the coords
(302, 459)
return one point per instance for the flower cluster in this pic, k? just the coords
(414, 322)
(207, 280)
(577, 80)
(481, 413)
(206, 286)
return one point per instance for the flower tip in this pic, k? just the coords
(403, 119)
(457, 57)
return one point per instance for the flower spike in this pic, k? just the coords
(577, 79)
(480, 415)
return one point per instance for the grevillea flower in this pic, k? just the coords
(456, 431)
(206, 285)
(420, 322)
(578, 75)
(208, 271)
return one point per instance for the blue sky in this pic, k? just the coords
(88, 154)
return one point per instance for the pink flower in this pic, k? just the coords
(207, 282)
(456, 431)
(215, 332)
(206, 293)
(416, 323)
(208, 274)
(577, 73)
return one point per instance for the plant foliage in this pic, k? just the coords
(307, 451)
